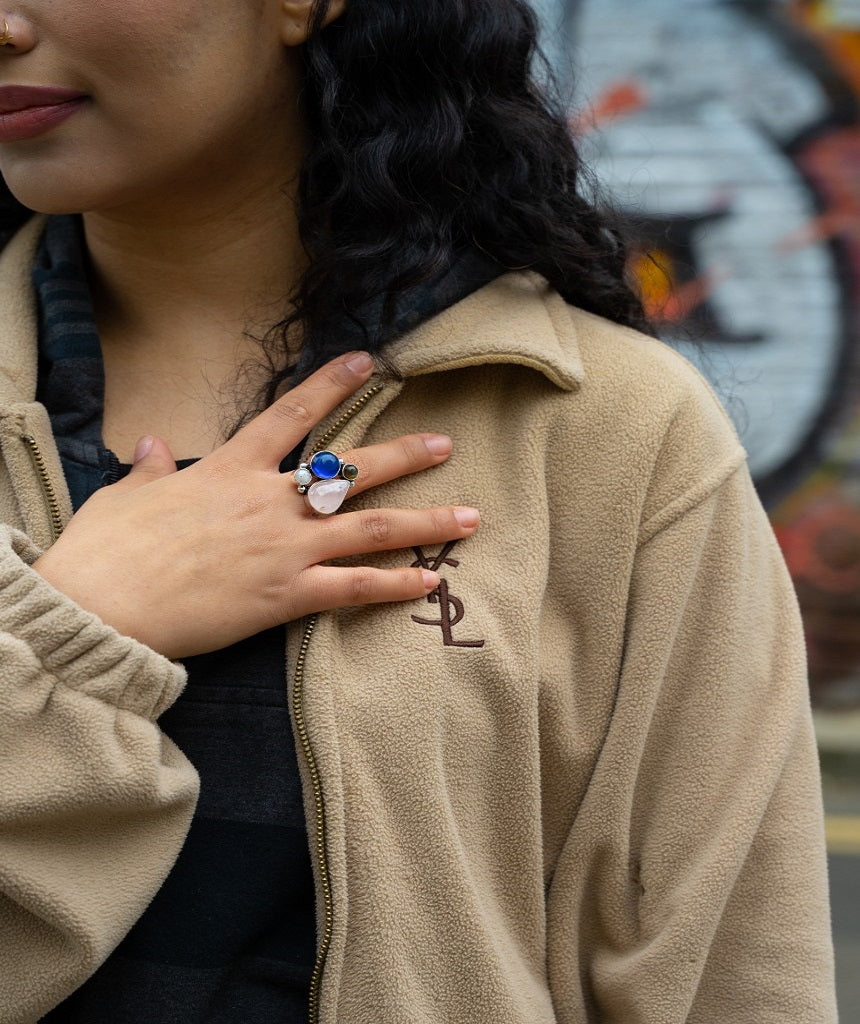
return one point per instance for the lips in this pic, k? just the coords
(27, 111)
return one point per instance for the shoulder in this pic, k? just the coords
(615, 409)
(519, 319)
(644, 381)
(646, 416)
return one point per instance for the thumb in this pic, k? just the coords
(152, 460)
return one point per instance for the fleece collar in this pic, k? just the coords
(516, 319)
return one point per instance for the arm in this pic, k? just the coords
(707, 901)
(94, 800)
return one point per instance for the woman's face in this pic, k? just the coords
(178, 95)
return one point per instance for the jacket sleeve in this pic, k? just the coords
(707, 897)
(95, 801)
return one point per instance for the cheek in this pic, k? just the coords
(110, 30)
(126, 45)
(177, 86)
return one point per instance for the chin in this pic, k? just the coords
(46, 207)
(41, 196)
(47, 184)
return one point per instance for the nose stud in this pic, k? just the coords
(6, 36)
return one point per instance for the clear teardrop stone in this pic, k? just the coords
(326, 496)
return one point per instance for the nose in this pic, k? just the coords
(16, 35)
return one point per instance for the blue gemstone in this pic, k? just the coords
(325, 465)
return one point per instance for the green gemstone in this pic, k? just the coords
(349, 472)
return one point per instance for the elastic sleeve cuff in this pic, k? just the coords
(75, 646)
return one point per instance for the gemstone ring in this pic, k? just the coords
(324, 480)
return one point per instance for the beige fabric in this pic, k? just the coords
(591, 796)
(94, 800)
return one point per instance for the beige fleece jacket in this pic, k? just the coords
(577, 785)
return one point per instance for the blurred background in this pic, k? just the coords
(728, 132)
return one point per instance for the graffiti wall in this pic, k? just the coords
(729, 132)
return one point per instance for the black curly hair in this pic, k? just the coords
(432, 139)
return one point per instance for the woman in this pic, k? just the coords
(574, 779)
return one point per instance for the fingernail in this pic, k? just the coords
(143, 448)
(431, 579)
(360, 362)
(438, 444)
(467, 516)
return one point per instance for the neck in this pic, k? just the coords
(157, 272)
(182, 294)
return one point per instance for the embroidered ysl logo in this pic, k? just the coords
(444, 598)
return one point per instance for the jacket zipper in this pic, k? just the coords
(48, 491)
(342, 421)
(319, 820)
(310, 759)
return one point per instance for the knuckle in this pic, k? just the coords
(222, 466)
(275, 608)
(260, 546)
(251, 506)
(281, 593)
(292, 412)
(411, 582)
(414, 451)
(326, 379)
(444, 521)
(335, 376)
(361, 586)
(378, 528)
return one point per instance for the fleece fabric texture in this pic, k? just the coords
(577, 784)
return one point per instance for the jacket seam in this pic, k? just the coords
(691, 499)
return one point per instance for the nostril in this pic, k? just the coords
(16, 35)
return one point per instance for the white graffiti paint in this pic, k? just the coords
(722, 96)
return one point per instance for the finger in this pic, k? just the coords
(278, 429)
(354, 533)
(153, 459)
(379, 463)
(333, 587)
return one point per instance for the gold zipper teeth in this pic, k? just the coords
(47, 487)
(336, 428)
(310, 759)
(319, 807)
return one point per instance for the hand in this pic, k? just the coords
(193, 561)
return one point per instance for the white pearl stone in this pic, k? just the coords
(326, 496)
(303, 477)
